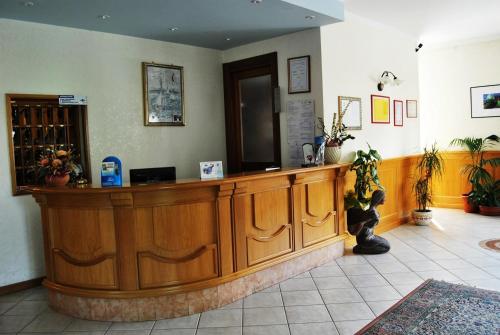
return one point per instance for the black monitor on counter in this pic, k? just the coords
(152, 175)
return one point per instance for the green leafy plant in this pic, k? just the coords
(367, 178)
(429, 166)
(484, 189)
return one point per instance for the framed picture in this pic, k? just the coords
(299, 75)
(352, 114)
(211, 170)
(398, 113)
(308, 152)
(381, 106)
(411, 109)
(485, 101)
(163, 95)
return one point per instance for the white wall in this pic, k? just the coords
(293, 45)
(446, 75)
(355, 53)
(45, 59)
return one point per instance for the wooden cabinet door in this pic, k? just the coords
(263, 220)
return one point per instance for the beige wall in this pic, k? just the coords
(446, 75)
(106, 68)
(355, 53)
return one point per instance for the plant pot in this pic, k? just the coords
(422, 218)
(332, 154)
(490, 211)
(468, 207)
(57, 181)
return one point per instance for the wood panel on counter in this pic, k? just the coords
(173, 237)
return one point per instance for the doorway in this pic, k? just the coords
(252, 117)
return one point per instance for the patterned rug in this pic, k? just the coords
(491, 244)
(437, 307)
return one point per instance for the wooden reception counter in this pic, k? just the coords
(164, 250)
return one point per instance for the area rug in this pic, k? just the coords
(437, 307)
(493, 244)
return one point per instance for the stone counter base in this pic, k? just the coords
(182, 304)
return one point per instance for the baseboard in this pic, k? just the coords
(21, 286)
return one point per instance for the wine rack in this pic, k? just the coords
(38, 124)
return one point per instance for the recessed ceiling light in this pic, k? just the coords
(104, 17)
(228, 38)
(310, 17)
(28, 4)
(174, 28)
(256, 1)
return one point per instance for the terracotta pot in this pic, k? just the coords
(52, 180)
(468, 207)
(332, 154)
(490, 211)
(422, 218)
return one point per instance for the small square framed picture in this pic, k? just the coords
(211, 170)
(411, 109)
(398, 113)
(381, 106)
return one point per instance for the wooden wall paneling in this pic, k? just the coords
(42, 202)
(125, 240)
(224, 220)
(297, 210)
(178, 243)
(340, 190)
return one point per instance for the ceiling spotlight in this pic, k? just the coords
(228, 38)
(28, 4)
(256, 1)
(310, 17)
(104, 17)
(174, 29)
(388, 77)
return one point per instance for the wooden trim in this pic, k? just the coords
(24, 285)
(79, 262)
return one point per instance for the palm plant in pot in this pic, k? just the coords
(365, 165)
(335, 137)
(429, 166)
(484, 189)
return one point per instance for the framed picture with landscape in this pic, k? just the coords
(485, 101)
(163, 94)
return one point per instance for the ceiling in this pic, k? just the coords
(434, 21)
(218, 24)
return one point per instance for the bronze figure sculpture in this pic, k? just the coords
(362, 223)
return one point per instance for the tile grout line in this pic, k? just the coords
(324, 303)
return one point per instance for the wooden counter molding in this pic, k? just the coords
(172, 249)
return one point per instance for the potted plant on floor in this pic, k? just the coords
(367, 178)
(430, 166)
(482, 183)
(335, 137)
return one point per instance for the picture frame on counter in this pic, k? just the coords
(485, 101)
(398, 113)
(299, 75)
(353, 115)
(211, 170)
(411, 109)
(163, 95)
(381, 106)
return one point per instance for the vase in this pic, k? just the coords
(59, 181)
(332, 154)
(422, 218)
(469, 207)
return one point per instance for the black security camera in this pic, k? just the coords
(419, 46)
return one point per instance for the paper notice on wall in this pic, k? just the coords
(300, 121)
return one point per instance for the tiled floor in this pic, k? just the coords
(337, 298)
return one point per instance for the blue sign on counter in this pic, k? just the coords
(111, 172)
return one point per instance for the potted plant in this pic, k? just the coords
(430, 165)
(476, 171)
(56, 168)
(365, 165)
(335, 137)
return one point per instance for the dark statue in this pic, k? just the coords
(362, 223)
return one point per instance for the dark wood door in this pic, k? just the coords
(252, 120)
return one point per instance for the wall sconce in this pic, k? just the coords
(388, 77)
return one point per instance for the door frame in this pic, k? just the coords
(231, 73)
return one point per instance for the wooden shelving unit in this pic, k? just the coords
(38, 124)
